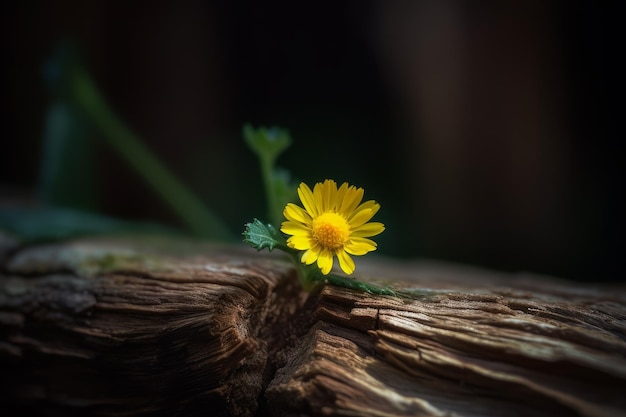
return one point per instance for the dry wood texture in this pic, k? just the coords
(121, 327)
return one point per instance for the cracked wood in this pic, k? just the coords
(125, 327)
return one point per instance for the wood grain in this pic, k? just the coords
(117, 327)
(150, 333)
(457, 354)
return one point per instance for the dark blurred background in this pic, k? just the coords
(487, 130)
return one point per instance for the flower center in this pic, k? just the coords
(330, 230)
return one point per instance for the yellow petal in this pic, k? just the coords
(351, 200)
(354, 249)
(325, 261)
(323, 192)
(296, 214)
(331, 195)
(360, 246)
(370, 204)
(317, 198)
(368, 229)
(345, 262)
(308, 200)
(360, 218)
(300, 242)
(363, 213)
(293, 228)
(339, 198)
(310, 255)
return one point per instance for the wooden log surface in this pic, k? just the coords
(120, 327)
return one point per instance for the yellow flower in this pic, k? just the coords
(332, 223)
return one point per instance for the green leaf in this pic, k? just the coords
(354, 284)
(260, 236)
(268, 144)
(311, 277)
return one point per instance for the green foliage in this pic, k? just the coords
(260, 236)
(268, 144)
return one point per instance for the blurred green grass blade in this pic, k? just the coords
(198, 218)
(46, 224)
(68, 80)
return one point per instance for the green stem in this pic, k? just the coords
(308, 277)
(198, 218)
(267, 169)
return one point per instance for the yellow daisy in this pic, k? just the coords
(332, 223)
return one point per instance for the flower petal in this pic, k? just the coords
(296, 214)
(324, 193)
(325, 261)
(345, 262)
(331, 202)
(363, 213)
(339, 198)
(351, 200)
(293, 228)
(318, 199)
(308, 200)
(370, 205)
(360, 246)
(311, 255)
(360, 218)
(368, 229)
(300, 242)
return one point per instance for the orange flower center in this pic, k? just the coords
(331, 230)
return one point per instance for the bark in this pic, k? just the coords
(129, 327)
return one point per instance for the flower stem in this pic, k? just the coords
(273, 209)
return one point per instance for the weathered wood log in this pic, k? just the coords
(127, 327)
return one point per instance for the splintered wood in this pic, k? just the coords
(103, 327)
(457, 354)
